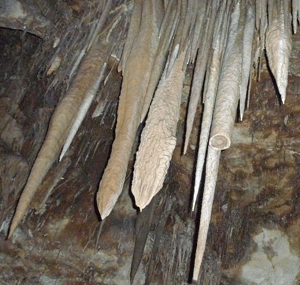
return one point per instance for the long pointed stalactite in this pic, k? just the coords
(247, 56)
(64, 116)
(200, 69)
(225, 40)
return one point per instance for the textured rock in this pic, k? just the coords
(272, 262)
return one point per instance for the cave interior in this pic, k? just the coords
(254, 232)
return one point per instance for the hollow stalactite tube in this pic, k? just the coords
(228, 90)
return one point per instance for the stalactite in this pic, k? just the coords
(295, 12)
(228, 90)
(86, 103)
(182, 7)
(199, 74)
(134, 26)
(190, 19)
(197, 29)
(262, 31)
(257, 14)
(158, 138)
(210, 95)
(213, 158)
(298, 9)
(166, 34)
(279, 45)
(270, 12)
(223, 120)
(247, 58)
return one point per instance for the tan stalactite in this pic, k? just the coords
(270, 11)
(279, 45)
(106, 8)
(197, 29)
(247, 58)
(172, 5)
(62, 118)
(189, 22)
(199, 73)
(86, 103)
(131, 103)
(257, 14)
(182, 8)
(223, 120)
(262, 31)
(212, 166)
(210, 95)
(167, 29)
(228, 91)
(134, 27)
(295, 12)
(158, 138)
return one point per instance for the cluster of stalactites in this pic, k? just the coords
(252, 27)
(225, 40)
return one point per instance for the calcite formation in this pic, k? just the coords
(224, 40)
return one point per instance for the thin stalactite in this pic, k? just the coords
(210, 95)
(247, 58)
(295, 15)
(223, 120)
(199, 73)
(166, 35)
(212, 165)
(197, 29)
(134, 26)
(86, 103)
